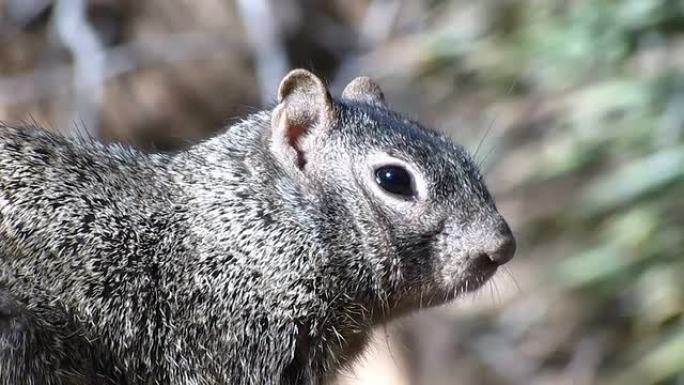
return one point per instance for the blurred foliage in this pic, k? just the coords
(609, 70)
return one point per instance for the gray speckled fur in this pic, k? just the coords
(213, 265)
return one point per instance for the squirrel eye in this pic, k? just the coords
(395, 180)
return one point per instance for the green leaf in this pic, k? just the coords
(634, 180)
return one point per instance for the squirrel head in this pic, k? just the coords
(428, 225)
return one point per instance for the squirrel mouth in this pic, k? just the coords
(477, 272)
(480, 270)
(483, 265)
(475, 276)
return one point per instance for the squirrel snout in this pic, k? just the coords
(503, 247)
(504, 252)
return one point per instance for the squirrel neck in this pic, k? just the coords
(243, 207)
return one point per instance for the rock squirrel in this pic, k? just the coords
(264, 255)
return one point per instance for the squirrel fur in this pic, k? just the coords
(264, 255)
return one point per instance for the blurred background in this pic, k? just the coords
(574, 108)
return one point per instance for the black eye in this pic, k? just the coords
(395, 180)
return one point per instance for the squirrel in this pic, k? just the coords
(263, 255)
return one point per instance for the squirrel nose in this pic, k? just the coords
(503, 249)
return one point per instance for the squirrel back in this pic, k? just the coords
(264, 255)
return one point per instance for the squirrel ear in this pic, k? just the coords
(363, 89)
(305, 107)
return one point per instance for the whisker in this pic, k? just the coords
(490, 287)
(507, 272)
(484, 136)
(491, 125)
(497, 289)
(389, 346)
(481, 166)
